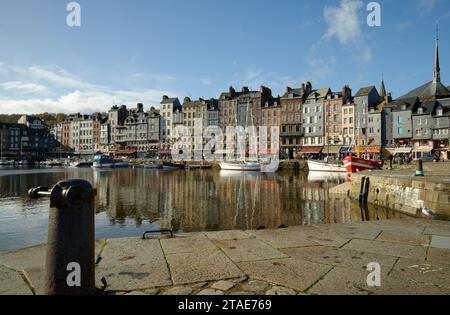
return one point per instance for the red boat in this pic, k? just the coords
(354, 164)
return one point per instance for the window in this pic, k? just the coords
(400, 130)
(400, 120)
(439, 112)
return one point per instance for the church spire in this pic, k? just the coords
(383, 89)
(437, 70)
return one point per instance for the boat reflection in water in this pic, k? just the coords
(325, 177)
(130, 201)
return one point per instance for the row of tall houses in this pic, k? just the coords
(312, 121)
(28, 139)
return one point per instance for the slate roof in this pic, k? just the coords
(411, 104)
(429, 90)
(169, 100)
(364, 91)
(428, 108)
(319, 93)
(294, 92)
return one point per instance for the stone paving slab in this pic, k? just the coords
(31, 257)
(437, 230)
(406, 238)
(387, 248)
(228, 235)
(326, 237)
(422, 275)
(409, 227)
(352, 230)
(424, 271)
(345, 258)
(35, 278)
(439, 255)
(294, 273)
(285, 238)
(438, 241)
(249, 250)
(133, 263)
(342, 281)
(24, 258)
(187, 244)
(210, 266)
(12, 283)
(325, 259)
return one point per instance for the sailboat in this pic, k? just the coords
(253, 166)
(355, 164)
(325, 166)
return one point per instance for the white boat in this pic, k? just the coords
(240, 166)
(319, 166)
(326, 176)
(22, 163)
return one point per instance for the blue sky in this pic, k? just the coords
(136, 51)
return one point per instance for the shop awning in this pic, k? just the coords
(310, 150)
(333, 149)
(422, 149)
(403, 150)
(373, 149)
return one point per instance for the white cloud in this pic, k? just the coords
(343, 21)
(81, 101)
(344, 24)
(23, 87)
(60, 77)
(70, 94)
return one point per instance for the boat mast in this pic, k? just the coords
(328, 131)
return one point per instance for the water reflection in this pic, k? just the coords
(130, 200)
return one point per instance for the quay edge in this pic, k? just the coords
(400, 190)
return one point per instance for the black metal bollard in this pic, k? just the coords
(70, 259)
(419, 168)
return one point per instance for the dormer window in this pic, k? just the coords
(440, 112)
(404, 107)
(420, 111)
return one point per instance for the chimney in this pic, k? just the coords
(308, 87)
(245, 90)
(303, 88)
(231, 91)
(165, 97)
(288, 89)
(140, 108)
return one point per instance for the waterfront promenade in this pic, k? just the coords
(414, 255)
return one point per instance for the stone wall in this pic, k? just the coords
(405, 194)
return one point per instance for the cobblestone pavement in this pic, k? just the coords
(414, 256)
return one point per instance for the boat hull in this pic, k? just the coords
(173, 166)
(153, 166)
(354, 165)
(252, 167)
(314, 166)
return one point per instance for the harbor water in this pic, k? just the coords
(131, 201)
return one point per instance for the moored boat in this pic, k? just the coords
(104, 161)
(198, 167)
(319, 166)
(355, 164)
(153, 166)
(173, 166)
(240, 166)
